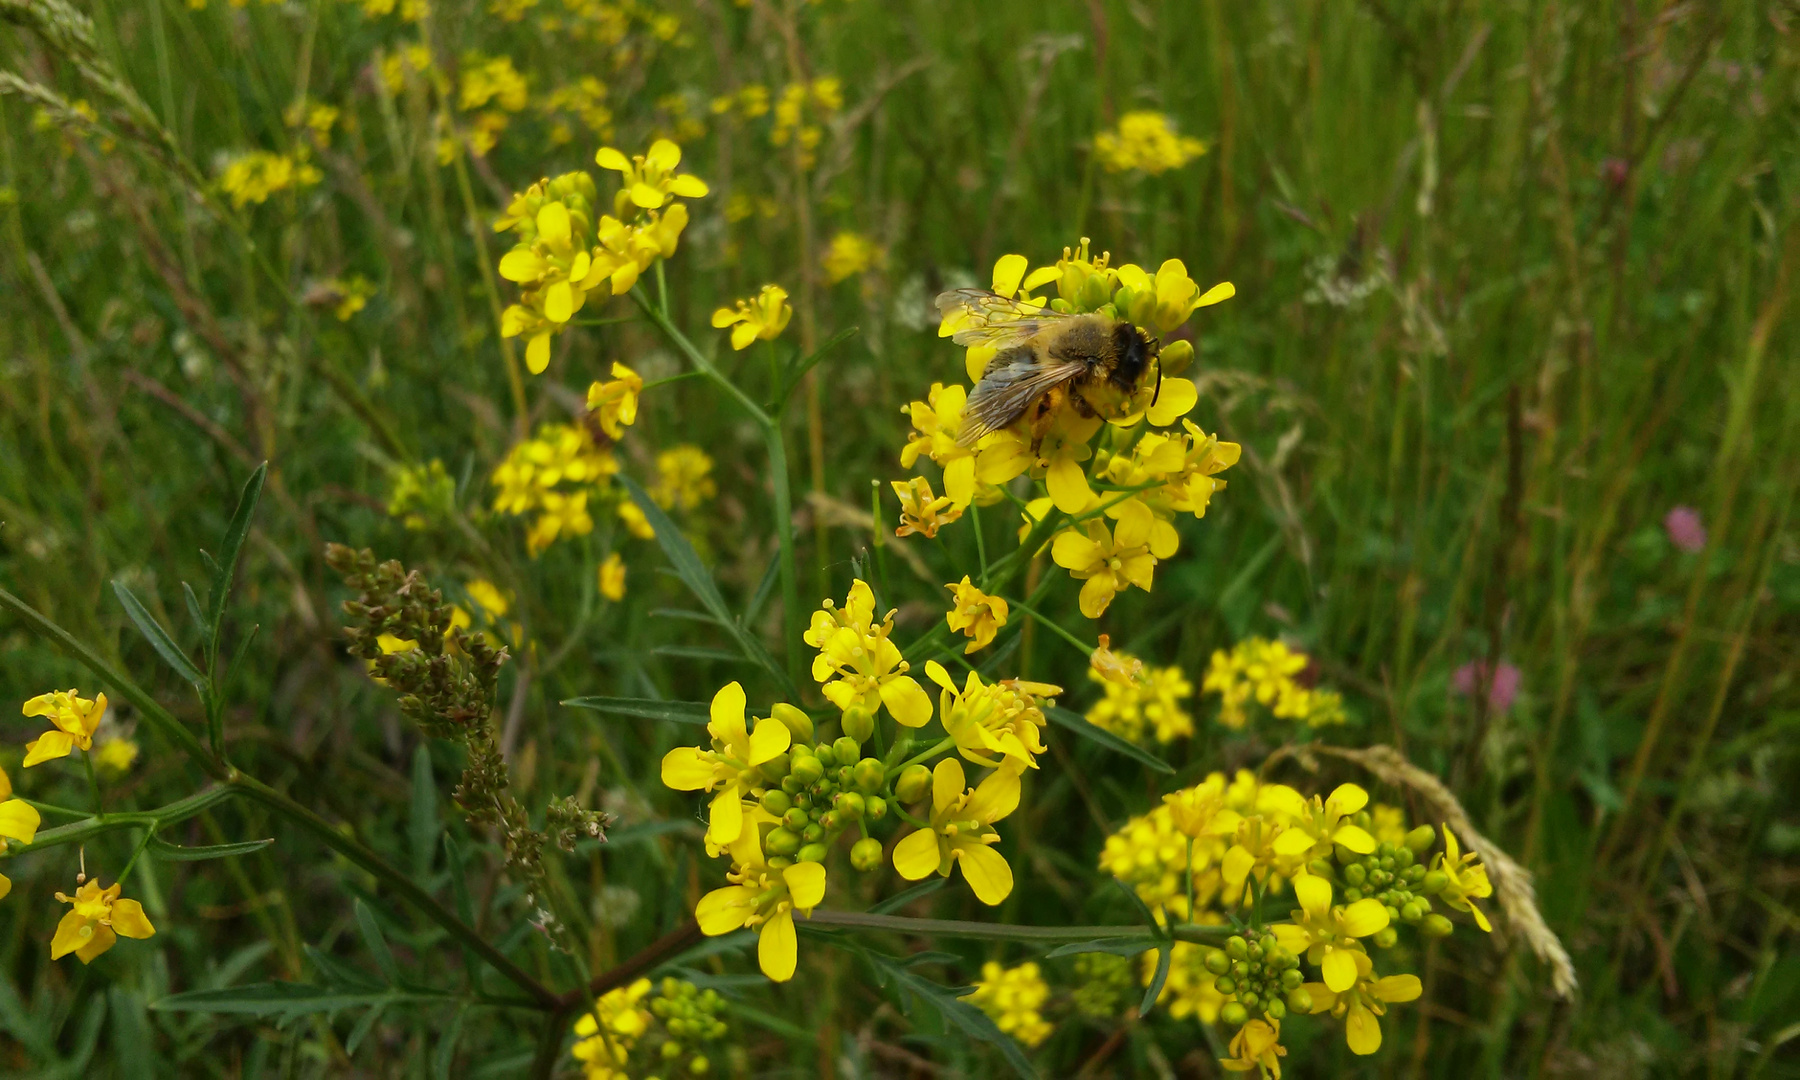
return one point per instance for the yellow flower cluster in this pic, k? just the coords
(19, 821)
(421, 495)
(606, 1036)
(858, 667)
(850, 255)
(1147, 705)
(554, 475)
(922, 512)
(761, 318)
(1266, 671)
(993, 724)
(1145, 142)
(1012, 997)
(316, 118)
(406, 63)
(1148, 477)
(975, 614)
(585, 100)
(73, 718)
(563, 253)
(802, 111)
(1150, 852)
(483, 82)
(252, 177)
(411, 11)
(683, 478)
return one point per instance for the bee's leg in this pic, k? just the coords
(1083, 405)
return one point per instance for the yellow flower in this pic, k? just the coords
(1189, 989)
(1120, 668)
(1327, 934)
(1164, 302)
(561, 515)
(683, 478)
(19, 821)
(1362, 1003)
(765, 898)
(1253, 852)
(1257, 1045)
(95, 922)
(485, 79)
(1204, 455)
(614, 404)
(921, 511)
(1322, 824)
(1466, 879)
(532, 479)
(254, 176)
(422, 494)
(936, 422)
(606, 1036)
(75, 719)
(116, 756)
(1150, 703)
(1108, 562)
(730, 765)
(1389, 823)
(1150, 853)
(557, 269)
(488, 597)
(650, 180)
(962, 831)
(857, 663)
(763, 317)
(612, 578)
(635, 522)
(1012, 998)
(975, 614)
(850, 254)
(1202, 811)
(1145, 141)
(993, 722)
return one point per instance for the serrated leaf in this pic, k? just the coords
(955, 1011)
(681, 712)
(422, 829)
(158, 848)
(235, 532)
(376, 942)
(158, 638)
(698, 579)
(1078, 723)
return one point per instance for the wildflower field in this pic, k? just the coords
(822, 538)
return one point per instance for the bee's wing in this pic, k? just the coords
(980, 317)
(1012, 381)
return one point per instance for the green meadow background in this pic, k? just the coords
(1515, 278)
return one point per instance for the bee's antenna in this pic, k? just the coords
(1158, 393)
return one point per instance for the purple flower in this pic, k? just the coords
(1503, 687)
(1684, 528)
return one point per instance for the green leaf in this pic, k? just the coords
(798, 369)
(194, 613)
(158, 848)
(681, 712)
(955, 1011)
(339, 975)
(764, 590)
(158, 637)
(445, 1055)
(695, 576)
(363, 1026)
(376, 942)
(422, 830)
(1078, 723)
(283, 999)
(234, 545)
(697, 652)
(1127, 947)
(1154, 990)
(901, 899)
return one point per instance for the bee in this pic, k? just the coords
(1092, 362)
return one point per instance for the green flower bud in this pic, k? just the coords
(1217, 963)
(796, 819)
(777, 802)
(868, 776)
(699, 1065)
(782, 841)
(849, 807)
(1256, 951)
(792, 784)
(859, 724)
(1232, 1014)
(780, 862)
(874, 808)
(813, 833)
(1403, 857)
(844, 774)
(1411, 912)
(914, 784)
(1321, 867)
(1300, 1000)
(804, 801)
(1225, 984)
(1250, 998)
(814, 852)
(1434, 882)
(1355, 874)
(1362, 820)
(1291, 979)
(827, 758)
(831, 820)
(671, 1050)
(1421, 839)
(807, 770)
(795, 720)
(1435, 925)
(847, 749)
(1414, 873)
(1385, 937)
(1276, 1010)
(1351, 896)
(865, 854)
(776, 767)
(1269, 944)
(1236, 947)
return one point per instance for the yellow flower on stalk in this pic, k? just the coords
(614, 403)
(764, 898)
(1109, 562)
(606, 1036)
(1012, 998)
(632, 516)
(1202, 810)
(763, 317)
(612, 578)
(1150, 853)
(490, 79)
(1252, 852)
(559, 515)
(422, 494)
(683, 478)
(95, 922)
(1114, 667)
(557, 269)
(975, 614)
(1204, 455)
(254, 176)
(115, 757)
(1145, 141)
(19, 822)
(850, 254)
(75, 720)
(730, 765)
(650, 180)
(1257, 1045)
(1162, 303)
(1364, 1002)
(936, 423)
(993, 723)
(857, 663)
(962, 831)
(921, 511)
(1324, 824)
(533, 476)
(1327, 934)
(1466, 879)
(1150, 704)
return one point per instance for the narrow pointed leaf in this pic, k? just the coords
(377, 943)
(423, 828)
(955, 1011)
(158, 638)
(234, 545)
(1154, 990)
(159, 848)
(1079, 724)
(681, 712)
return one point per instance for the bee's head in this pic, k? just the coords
(1135, 350)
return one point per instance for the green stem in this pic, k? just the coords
(942, 746)
(87, 760)
(79, 832)
(1080, 645)
(862, 920)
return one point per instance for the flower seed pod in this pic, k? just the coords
(795, 720)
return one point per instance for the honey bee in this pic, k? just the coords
(1091, 362)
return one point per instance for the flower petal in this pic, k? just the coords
(777, 950)
(1339, 969)
(1097, 595)
(608, 158)
(72, 933)
(1068, 485)
(128, 919)
(1397, 988)
(724, 910)
(1361, 1030)
(770, 738)
(947, 784)
(103, 939)
(51, 744)
(1313, 892)
(1009, 270)
(19, 820)
(726, 816)
(687, 768)
(537, 353)
(806, 884)
(1223, 291)
(907, 700)
(728, 716)
(664, 154)
(1355, 838)
(986, 871)
(554, 225)
(1365, 917)
(1174, 400)
(1346, 799)
(916, 855)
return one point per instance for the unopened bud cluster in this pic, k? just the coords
(817, 792)
(1258, 977)
(1394, 873)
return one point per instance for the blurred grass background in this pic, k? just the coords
(1514, 280)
